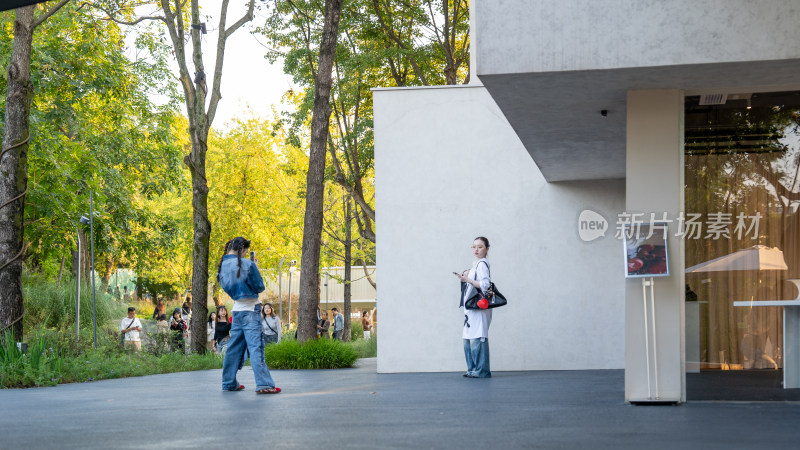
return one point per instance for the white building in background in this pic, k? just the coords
(331, 284)
(575, 105)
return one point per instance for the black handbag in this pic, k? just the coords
(492, 298)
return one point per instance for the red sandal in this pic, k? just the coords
(240, 388)
(272, 390)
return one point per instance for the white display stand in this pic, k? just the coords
(791, 335)
(648, 282)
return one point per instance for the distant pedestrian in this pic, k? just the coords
(476, 321)
(159, 309)
(210, 328)
(323, 325)
(126, 296)
(240, 279)
(178, 327)
(161, 323)
(117, 294)
(366, 324)
(186, 311)
(130, 328)
(338, 324)
(270, 325)
(222, 330)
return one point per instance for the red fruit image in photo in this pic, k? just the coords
(635, 264)
(658, 267)
(483, 303)
(660, 251)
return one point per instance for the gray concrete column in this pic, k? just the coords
(654, 183)
(473, 45)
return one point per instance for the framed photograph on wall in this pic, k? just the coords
(645, 246)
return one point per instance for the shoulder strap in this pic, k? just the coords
(269, 326)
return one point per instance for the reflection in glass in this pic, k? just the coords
(741, 172)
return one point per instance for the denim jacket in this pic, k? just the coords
(249, 283)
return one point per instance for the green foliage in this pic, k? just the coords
(158, 344)
(313, 354)
(55, 357)
(356, 330)
(39, 366)
(365, 348)
(53, 306)
(93, 126)
(99, 366)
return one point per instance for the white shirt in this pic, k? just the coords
(210, 328)
(132, 335)
(245, 304)
(477, 319)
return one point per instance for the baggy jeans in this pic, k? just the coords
(476, 352)
(246, 335)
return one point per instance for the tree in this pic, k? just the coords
(94, 126)
(14, 166)
(315, 180)
(196, 95)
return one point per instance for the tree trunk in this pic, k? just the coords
(315, 182)
(348, 261)
(14, 172)
(202, 234)
(108, 269)
(85, 255)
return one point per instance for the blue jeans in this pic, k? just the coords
(476, 352)
(245, 335)
(269, 339)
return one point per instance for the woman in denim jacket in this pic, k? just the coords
(240, 279)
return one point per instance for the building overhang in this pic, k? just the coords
(557, 115)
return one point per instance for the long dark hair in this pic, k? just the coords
(220, 308)
(271, 310)
(237, 244)
(224, 252)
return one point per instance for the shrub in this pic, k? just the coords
(313, 354)
(366, 348)
(356, 330)
(53, 306)
(40, 366)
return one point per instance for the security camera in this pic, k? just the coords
(293, 262)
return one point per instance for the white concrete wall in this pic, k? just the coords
(449, 168)
(518, 36)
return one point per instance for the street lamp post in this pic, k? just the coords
(292, 263)
(280, 294)
(78, 290)
(90, 222)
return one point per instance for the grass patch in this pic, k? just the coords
(53, 306)
(53, 358)
(365, 348)
(356, 330)
(313, 354)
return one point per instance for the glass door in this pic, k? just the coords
(742, 228)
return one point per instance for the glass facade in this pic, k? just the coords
(742, 191)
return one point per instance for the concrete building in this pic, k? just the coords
(586, 105)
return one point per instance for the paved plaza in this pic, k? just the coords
(358, 408)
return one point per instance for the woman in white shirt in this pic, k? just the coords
(476, 321)
(270, 326)
(211, 327)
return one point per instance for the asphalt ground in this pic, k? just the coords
(358, 408)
